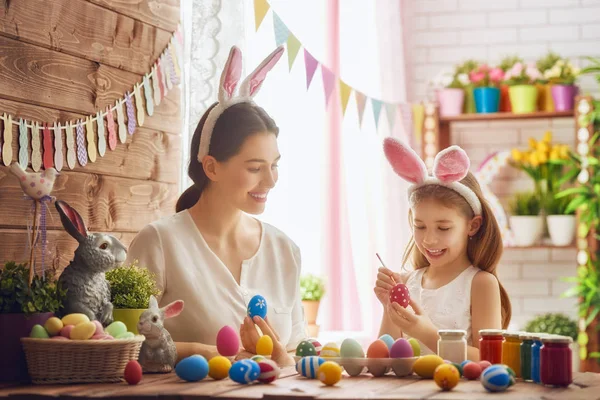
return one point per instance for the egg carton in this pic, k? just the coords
(375, 366)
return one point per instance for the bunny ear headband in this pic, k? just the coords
(450, 166)
(227, 97)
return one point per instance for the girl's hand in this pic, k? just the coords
(386, 280)
(250, 336)
(417, 325)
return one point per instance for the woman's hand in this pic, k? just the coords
(386, 280)
(250, 336)
(417, 325)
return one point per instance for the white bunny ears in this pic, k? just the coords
(450, 166)
(229, 80)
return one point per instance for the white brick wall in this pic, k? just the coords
(440, 34)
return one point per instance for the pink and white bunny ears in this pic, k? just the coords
(227, 97)
(450, 166)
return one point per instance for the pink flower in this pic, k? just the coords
(476, 76)
(516, 70)
(496, 74)
(533, 72)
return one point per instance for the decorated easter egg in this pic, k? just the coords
(228, 341)
(99, 327)
(459, 368)
(308, 366)
(244, 371)
(388, 339)
(53, 326)
(257, 307)
(378, 349)
(495, 378)
(125, 336)
(425, 366)
(317, 344)
(306, 348)
(269, 371)
(83, 331)
(58, 337)
(264, 346)
(350, 348)
(329, 373)
(399, 294)
(462, 364)
(414, 343)
(484, 364)
(39, 332)
(402, 349)
(218, 367)
(74, 319)
(116, 328)
(330, 350)
(133, 372)
(472, 371)
(66, 331)
(258, 358)
(192, 369)
(446, 376)
(511, 374)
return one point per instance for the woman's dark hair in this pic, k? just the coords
(233, 127)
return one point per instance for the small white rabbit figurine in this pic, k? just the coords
(158, 352)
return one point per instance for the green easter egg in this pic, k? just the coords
(116, 328)
(459, 368)
(415, 346)
(39, 332)
(125, 335)
(305, 349)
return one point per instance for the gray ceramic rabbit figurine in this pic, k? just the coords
(88, 291)
(158, 352)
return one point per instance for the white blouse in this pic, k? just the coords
(187, 269)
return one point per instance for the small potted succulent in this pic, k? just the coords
(312, 289)
(562, 77)
(545, 102)
(450, 93)
(521, 79)
(486, 80)
(130, 288)
(526, 222)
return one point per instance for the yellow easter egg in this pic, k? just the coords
(53, 325)
(425, 366)
(329, 373)
(330, 350)
(446, 376)
(83, 331)
(218, 367)
(264, 346)
(74, 319)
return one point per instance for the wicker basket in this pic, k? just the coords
(79, 361)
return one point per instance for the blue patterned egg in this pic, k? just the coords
(244, 371)
(257, 307)
(192, 369)
(308, 366)
(495, 378)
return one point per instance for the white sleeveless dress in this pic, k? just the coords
(449, 306)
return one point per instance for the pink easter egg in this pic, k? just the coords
(99, 327)
(66, 331)
(399, 294)
(401, 349)
(102, 336)
(59, 338)
(228, 342)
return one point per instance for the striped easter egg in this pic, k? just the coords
(495, 378)
(317, 344)
(308, 366)
(269, 371)
(244, 371)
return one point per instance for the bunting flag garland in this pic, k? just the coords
(361, 102)
(260, 11)
(293, 46)
(87, 137)
(311, 66)
(328, 82)
(345, 92)
(281, 31)
(376, 104)
(390, 110)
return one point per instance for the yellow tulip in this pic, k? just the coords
(532, 143)
(548, 137)
(517, 155)
(564, 151)
(542, 157)
(555, 155)
(543, 147)
(533, 159)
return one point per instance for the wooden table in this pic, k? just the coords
(290, 385)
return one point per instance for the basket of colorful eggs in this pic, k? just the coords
(76, 350)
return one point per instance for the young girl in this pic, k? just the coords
(455, 249)
(212, 254)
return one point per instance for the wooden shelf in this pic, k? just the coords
(507, 116)
(540, 246)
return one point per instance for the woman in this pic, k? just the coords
(212, 254)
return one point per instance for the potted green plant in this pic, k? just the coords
(130, 290)
(21, 307)
(485, 80)
(545, 102)
(561, 220)
(562, 77)
(554, 324)
(505, 64)
(464, 70)
(450, 94)
(526, 222)
(521, 79)
(312, 289)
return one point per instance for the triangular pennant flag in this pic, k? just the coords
(376, 104)
(390, 110)
(281, 31)
(311, 66)
(345, 92)
(361, 101)
(406, 115)
(328, 82)
(260, 10)
(293, 46)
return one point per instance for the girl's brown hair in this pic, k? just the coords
(483, 250)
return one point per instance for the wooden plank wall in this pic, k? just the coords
(65, 59)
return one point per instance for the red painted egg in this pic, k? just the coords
(471, 371)
(269, 371)
(317, 344)
(484, 364)
(399, 294)
(133, 372)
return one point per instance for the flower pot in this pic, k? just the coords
(311, 310)
(527, 229)
(487, 99)
(13, 327)
(561, 229)
(545, 101)
(564, 96)
(504, 99)
(128, 316)
(451, 101)
(469, 105)
(523, 98)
